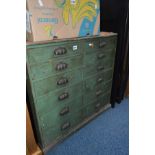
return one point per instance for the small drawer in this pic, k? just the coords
(62, 96)
(98, 79)
(44, 53)
(93, 93)
(92, 69)
(96, 105)
(98, 67)
(98, 56)
(108, 75)
(92, 58)
(55, 67)
(43, 87)
(107, 43)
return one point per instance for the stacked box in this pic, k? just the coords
(49, 19)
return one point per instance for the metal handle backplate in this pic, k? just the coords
(63, 96)
(102, 44)
(62, 81)
(65, 126)
(101, 56)
(100, 68)
(60, 51)
(97, 105)
(99, 92)
(64, 111)
(61, 66)
(99, 80)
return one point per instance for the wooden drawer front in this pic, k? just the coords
(97, 80)
(96, 105)
(108, 75)
(107, 43)
(98, 67)
(61, 113)
(65, 95)
(93, 93)
(55, 66)
(90, 45)
(61, 128)
(98, 56)
(62, 80)
(44, 53)
(106, 98)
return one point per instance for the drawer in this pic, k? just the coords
(107, 43)
(95, 92)
(61, 128)
(44, 53)
(106, 98)
(65, 95)
(55, 66)
(98, 67)
(61, 80)
(108, 75)
(98, 56)
(95, 106)
(98, 80)
(90, 45)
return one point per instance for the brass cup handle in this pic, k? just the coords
(100, 56)
(97, 105)
(65, 126)
(64, 111)
(61, 66)
(102, 44)
(100, 68)
(63, 96)
(62, 81)
(99, 92)
(99, 80)
(60, 51)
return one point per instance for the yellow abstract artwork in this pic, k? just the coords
(78, 9)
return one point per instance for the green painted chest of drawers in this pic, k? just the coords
(68, 83)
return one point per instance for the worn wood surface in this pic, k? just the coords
(89, 72)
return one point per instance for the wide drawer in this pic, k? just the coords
(61, 80)
(95, 92)
(44, 53)
(90, 45)
(65, 95)
(55, 66)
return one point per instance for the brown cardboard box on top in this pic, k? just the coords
(49, 19)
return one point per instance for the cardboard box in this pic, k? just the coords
(49, 19)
